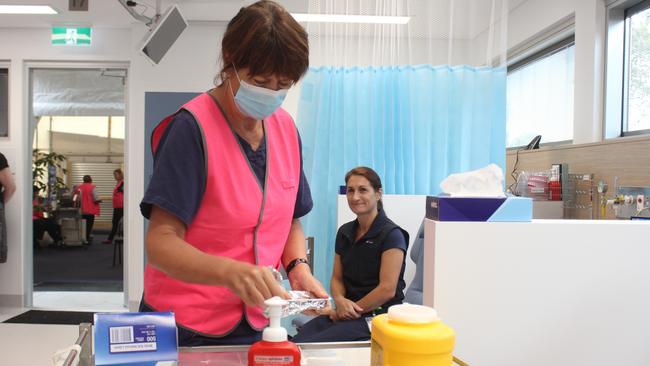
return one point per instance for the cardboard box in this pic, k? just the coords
(445, 208)
(135, 339)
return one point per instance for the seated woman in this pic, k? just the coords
(42, 224)
(368, 274)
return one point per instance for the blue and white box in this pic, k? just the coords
(495, 209)
(136, 339)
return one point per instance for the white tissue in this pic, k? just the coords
(59, 357)
(484, 182)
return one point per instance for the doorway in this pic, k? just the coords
(77, 127)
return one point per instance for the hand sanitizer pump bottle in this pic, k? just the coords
(274, 349)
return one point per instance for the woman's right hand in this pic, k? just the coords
(347, 309)
(254, 284)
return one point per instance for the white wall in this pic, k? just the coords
(526, 294)
(32, 46)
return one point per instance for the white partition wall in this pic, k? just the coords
(550, 292)
(406, 211)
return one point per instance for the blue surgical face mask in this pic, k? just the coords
(255, 101)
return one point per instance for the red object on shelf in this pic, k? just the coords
(555, 188)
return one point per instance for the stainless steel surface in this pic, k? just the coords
(310, 251)
(304, 346)
(578, 196)
(86, 357)
(83, 334)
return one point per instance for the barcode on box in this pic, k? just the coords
(121, 335)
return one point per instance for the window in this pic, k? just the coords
(4, 102)
(636, 92)
(80, 134)
(540, 96)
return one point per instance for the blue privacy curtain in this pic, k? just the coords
(414, 125)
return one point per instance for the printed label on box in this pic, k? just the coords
(136, 338)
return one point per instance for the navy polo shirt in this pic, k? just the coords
(361, 259)
(179, 175)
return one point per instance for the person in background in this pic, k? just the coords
(8, 188)
(228, 189)
(415, 291)
(42, 224)
(368, 274)
(89, 204)
(118, 204)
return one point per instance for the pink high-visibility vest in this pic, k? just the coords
(88, 204)
(237, 218)
(118, 197)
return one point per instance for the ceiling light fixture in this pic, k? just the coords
(27, 9)
(343, 18)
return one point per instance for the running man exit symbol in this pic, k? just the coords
(78, 5)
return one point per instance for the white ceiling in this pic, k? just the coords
(111, 14)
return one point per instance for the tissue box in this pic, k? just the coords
(135, 339)
(444, 208)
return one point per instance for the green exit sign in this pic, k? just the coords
(71, 36)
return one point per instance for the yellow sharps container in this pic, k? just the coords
(411, 335)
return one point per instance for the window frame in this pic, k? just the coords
(617, 68)
(628, 14)
(557, 46)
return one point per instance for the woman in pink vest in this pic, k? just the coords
(89, 204)
(228, 189)
(118, 204)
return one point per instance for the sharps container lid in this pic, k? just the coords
(409, 313)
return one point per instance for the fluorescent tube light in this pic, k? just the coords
(342, 18)
(27, 9)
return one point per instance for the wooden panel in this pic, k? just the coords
(625, 158)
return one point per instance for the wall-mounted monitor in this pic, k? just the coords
(163, 34)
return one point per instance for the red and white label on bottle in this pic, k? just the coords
(273, 360)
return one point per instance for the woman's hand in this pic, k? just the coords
(254, 284)
(347, 309)
(301, 278)
(333, 315)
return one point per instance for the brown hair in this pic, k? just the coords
(87, 179)
(371, 176)
(266, 39)
(118, 171)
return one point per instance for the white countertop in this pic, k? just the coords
(34, 345)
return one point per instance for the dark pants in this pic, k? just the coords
(118, 213)
(90, 221)
(42, 225)
(243, 334)
(322, 329)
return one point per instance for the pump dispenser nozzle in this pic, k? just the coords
(274, 332)
(274, 345)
